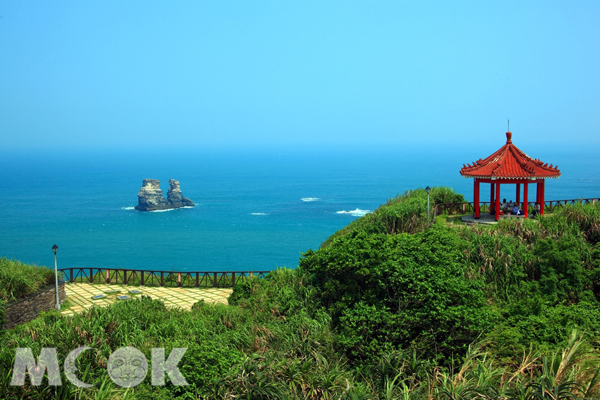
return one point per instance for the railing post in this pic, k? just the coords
(197, 279)
(162, 278)
(142, 279)
(125, 277)
(233, 279)
(215, 280)
(71, 274)
(91, 276)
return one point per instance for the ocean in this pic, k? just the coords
(256, 209)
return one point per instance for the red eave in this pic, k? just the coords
(509, 163)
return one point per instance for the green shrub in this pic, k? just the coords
(502, 259)
(543, 326)
(406, 213)
(443, 194)
(204, 365)
(559, 268)
(397, 291)
(281, 292)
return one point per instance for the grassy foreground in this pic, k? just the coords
(445, 312)
(18, 280)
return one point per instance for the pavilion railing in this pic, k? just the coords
(158, 278)
(468, 207)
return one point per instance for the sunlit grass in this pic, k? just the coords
(19, 280)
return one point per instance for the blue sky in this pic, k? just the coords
(187, 74)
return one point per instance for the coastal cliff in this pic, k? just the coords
(150, 196)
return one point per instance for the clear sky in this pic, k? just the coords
(119, 74)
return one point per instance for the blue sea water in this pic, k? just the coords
(256, 209)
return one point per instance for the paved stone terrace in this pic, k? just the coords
(487, 218)
(80, 295)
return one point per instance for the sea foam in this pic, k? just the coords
(259, 214)
(355, 213)
(310, 199)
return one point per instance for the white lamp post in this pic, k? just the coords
(55, 249)
(428, 189)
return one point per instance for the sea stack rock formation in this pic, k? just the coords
(150, 196)
(174, 196)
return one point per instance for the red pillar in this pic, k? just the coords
(491, 197)
(542, 194)
(525, 185)
(497, 206)
(476, 198)
(518, 200)
(537, 192)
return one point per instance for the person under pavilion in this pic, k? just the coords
(509, 165)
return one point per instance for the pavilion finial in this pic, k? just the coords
(508, 137)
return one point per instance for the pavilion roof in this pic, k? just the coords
(511, 163)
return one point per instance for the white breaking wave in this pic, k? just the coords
(127, 208)
(259, 214)
(355, 213)
(171, 209)
(310, 199)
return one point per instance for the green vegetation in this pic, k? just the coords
(404, 213)
(18, 280)
(387, 308)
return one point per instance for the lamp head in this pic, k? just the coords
(428, 189)
(54, 249)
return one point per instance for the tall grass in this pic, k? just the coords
(19, 280)
(586, 217)
(406, 213)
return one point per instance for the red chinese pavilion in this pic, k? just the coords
(509, 165)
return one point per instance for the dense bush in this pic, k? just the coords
(388, 292)
(435, 291)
